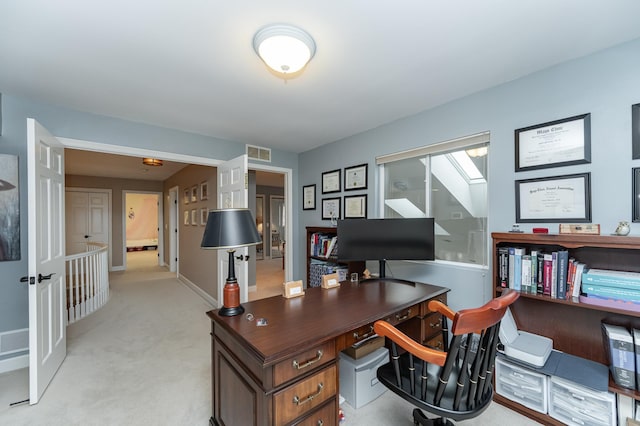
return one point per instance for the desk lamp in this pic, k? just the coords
(230, 229)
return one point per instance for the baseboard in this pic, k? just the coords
(118, 268)
(200, 292)
(15, 363)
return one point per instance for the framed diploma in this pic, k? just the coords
(635, 131)
(331, 181)
(636, 194)
(556, 143)
(554, 199)
(331, 208)
(309, 197)
(355, 206)
(355, 177)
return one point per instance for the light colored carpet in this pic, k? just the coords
(145, 358)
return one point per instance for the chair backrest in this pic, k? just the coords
(456, 383)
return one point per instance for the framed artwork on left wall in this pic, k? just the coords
(9, 208)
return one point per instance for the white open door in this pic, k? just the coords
(233, 192)
(47, 295)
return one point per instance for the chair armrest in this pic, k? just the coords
(438, 306)
(383, 328)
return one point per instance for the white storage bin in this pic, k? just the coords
(521, 385)
(574, 404)
(359, 384)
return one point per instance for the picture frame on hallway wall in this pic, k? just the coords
(556, 143)
(194, 217)
(186, 217)
(559, 199)
(187, 196)
(635, 131)
(9, 208)
(204, 191)
(204, 213)
(194, 193)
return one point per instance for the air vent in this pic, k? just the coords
(258, 153)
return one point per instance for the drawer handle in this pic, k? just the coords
(436, 324)
(363, 336)
(308, 362)
(299, 402)
(320, 423)
(400, 317)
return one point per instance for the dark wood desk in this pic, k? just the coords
(286, 373)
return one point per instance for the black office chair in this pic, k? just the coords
(456, 384)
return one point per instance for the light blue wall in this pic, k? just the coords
(604, 84)
(95, 128)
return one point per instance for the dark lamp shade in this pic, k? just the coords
(229, 228)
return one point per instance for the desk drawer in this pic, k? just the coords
(424, 306)
(433, 323)
(358, 335)
(303, 363)
(435, 342)
(403, 315)
(325, 416)
(304, 396)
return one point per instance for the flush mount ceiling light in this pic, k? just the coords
(151, 161)
(284, 48)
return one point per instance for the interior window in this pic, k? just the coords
(449, 183)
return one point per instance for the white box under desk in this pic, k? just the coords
(578, 405)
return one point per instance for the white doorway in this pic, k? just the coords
(174, 229)
(87, 218)
(142, 222)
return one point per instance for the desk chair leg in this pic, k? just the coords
(419, 419)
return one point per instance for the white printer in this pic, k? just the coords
(526, 347)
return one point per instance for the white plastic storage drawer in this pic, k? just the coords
(521, 385)
(574, 404)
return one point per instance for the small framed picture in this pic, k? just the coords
(194, 194)
(355, 177)
(355, 206)
(204, 213)
(636, 194)
(331, 208)
(309, 197)
(331, 181)
(635, 131)
(194, 217)
(204, 190)
(186, 217)
(187, 196)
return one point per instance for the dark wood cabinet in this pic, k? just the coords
(573, 326)
(358, 266)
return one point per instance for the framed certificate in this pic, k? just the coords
(635, 131)
(554, 199)
(331, 208)
(331, 181)
(355, 206)
(635, 202)
(556, 143)
(309, 197)
(355, 177)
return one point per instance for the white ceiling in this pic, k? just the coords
(190, 64)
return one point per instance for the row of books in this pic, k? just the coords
(622, 347)
(617, 285)
(553, 274)
(318, 268)
(323, 245)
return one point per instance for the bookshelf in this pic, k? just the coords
(330, 231)
(574, 327)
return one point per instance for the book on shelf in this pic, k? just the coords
(577, 279)
(610, 278)
(628, 295)
(636, 348)
(540, 289)
(517, 268)
(512, 263)
(548, 269)
(562, 268)
(525, 281)
(503, 265)
(619, 349)
(533, 289)
(554, 275)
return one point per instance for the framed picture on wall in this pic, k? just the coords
(558, 199)
(309, 197)
(331, 181)
(194, 194)
(636, 194)
(331, 208)
(355, 206)
(187, 196)
(635, 131)
(204, 190)
(557, 143)
(186, 217)
(194, 217)
(355, 177)
(204, 213)
(10, 208)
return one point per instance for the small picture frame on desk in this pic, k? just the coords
(330, 281)
(292, 289)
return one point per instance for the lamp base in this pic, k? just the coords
(231, 312)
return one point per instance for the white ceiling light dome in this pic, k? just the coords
(284, 48)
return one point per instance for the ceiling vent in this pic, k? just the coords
(259, 153)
